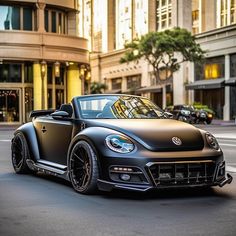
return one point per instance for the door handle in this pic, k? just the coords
(43, 129)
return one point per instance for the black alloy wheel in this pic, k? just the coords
(19, 154)
(83, 169)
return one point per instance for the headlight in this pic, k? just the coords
(119, 143)
(211, 140)
(185, 112)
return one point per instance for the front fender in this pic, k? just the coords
(31, 138)
(95, 136)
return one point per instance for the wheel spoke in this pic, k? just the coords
(20, 163)
(78, 158)
(84, 180)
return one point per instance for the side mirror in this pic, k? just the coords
(60, 115)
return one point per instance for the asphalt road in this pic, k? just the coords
(42, 205)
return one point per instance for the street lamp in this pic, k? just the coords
(57, 69)
(43, 73)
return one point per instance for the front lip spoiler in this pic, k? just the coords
(109, 186)
(227, 180)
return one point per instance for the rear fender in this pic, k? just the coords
(31, 138)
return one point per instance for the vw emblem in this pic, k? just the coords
(176, 141)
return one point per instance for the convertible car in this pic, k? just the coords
(117, 142)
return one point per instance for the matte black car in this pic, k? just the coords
(117, 142)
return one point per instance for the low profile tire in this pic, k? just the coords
(83, 169)
(20, 154)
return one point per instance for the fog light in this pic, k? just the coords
(125, 177)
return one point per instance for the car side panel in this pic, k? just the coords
(55, 137)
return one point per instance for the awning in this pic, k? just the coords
(206, 84)
(230, 82)
(114, 91)
(151, 89)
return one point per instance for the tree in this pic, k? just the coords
(97, 87)
(164, 51)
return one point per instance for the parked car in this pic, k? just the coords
(117, 142)
(204, 114)
(184, 113)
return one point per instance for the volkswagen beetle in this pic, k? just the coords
(117, 142)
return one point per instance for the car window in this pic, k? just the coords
(118, 107)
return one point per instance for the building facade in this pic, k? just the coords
(43, 61)
(211, 21)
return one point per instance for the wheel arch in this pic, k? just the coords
(95, 136)
(31, 138)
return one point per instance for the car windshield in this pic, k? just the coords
(118, 107)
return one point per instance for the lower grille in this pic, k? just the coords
(182, 173)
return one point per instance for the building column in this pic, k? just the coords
(38, 89)
(41, 6)
(227, 89)
(74, 84)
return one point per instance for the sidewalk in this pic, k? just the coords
(8, 127)
(224, 123)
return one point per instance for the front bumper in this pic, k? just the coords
(159, 175)
(109, 186)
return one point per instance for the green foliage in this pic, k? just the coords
(165, 51)
(200, 106)
(97, 88)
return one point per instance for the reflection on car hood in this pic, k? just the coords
(156, 134)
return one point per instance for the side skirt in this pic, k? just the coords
(49, 168)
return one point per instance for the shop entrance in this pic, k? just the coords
(9, 105)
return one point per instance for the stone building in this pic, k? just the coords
(112, 23)
(43, 61)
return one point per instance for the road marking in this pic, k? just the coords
(5, 140)
(226, 144)
(231, 169)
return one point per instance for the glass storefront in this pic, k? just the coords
(9, 105)
(213, 98)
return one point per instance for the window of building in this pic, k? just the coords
(213, 68)
(226, 12)
(50, 104)
(55, 21)
(85, 21)
(9, 105)
(49, 74)
(116, 83)
(133, 82)
(27, 19)
(10, 73)
(28, 72)
(28, 102)
(164, 14)
(195, 21)
(17, 18)
(59, 97)
(233, 65)
(124, 22)
(140, 18)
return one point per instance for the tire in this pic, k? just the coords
(83, 168)
(182, 118)
(19, 154)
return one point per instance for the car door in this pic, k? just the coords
(54, 136)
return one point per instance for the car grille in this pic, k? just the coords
(182, 173)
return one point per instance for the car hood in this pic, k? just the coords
(156, 134)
